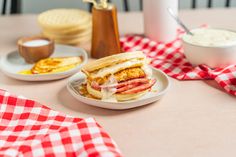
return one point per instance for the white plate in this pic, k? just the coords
(160, 86)
(12, 63)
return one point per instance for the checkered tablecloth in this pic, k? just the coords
(30, 129)
(169, 58)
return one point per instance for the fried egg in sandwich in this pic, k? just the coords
(123, 77)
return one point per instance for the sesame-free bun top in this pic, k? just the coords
(111, 60)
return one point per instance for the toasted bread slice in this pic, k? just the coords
(111, 60)
(114, 64)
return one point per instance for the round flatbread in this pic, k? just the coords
(74, 42)
(71, 41)
(69, 31)
(67, 37)
(60, 19)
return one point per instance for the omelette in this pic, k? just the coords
(53, 65)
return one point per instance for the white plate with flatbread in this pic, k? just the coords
(158, 91)
(12, 63)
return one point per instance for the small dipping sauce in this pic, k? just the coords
(211, 37)
(36, 43)
(33, 49)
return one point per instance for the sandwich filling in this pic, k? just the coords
(129, 77)
(123, 79)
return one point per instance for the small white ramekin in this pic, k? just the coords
(213, 56)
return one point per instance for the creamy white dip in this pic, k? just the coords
(211, 37)
(35, 43)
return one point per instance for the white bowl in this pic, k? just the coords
(213, 56)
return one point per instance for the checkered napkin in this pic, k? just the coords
(169, 58)
(28, 128)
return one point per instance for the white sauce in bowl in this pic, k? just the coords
(211, 37)
(36, 43)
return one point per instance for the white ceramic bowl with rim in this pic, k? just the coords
(212, 55)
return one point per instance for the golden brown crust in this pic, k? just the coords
(111, 60)
(120, 76)
(130, 73)
(50, 65)
(59, 19)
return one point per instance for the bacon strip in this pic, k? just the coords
(95, 85)
(133, 81)
(129, 86)
(130, 83)
(140, 88)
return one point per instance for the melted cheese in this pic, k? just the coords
(108, 93)
(25, 72)
(147, 70)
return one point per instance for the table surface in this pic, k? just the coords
(195, 118)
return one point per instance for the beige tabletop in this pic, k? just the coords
(194, 119)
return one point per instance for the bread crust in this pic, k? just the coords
(110, 60)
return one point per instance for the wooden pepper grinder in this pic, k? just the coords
(105, 33)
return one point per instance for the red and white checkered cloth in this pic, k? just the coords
(169, 58)
(28, 128)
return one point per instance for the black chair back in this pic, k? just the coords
(209, 3)
(126, 6)
(15, 6)
(4, 7)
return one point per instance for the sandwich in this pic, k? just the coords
(120, 77)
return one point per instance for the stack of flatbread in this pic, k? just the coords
(66, 26)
